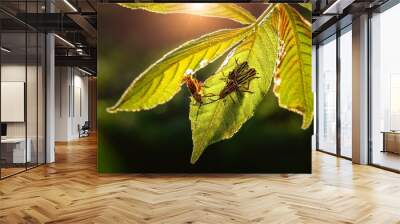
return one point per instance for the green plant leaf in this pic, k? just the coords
(163, 79)
(226, 10)
(292, 80)
(221, 119)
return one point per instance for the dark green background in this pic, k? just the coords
(159, 140)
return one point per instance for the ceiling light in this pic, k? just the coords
(5, 50)
(80, 51)
(70, 5)
(84, 71)
(64, 40)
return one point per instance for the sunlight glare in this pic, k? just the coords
(197, 6)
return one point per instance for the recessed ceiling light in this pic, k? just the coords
(84, 71)
(5, 50)
(70, 6)
(64, 40)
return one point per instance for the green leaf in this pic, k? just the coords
(221, 119)
(163, 79)
(292, 81)
(225, 10)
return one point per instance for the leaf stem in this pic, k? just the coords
(266, 12)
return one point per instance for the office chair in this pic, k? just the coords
(84, 130)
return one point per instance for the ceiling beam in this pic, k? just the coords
(77, 61)
(337, 7)
(84, 24)
(49, 22)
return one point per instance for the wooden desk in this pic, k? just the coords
(391, 141)
(18, 150)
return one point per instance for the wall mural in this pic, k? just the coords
(213, 87)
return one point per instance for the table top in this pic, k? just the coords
(13, 140)
(391, 132)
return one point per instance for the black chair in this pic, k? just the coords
(84, 130)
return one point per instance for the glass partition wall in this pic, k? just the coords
(334, 93)
(385, 89)
(22, 98)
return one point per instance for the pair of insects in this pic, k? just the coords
(238, 81)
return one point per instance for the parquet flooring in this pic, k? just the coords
(71, 191)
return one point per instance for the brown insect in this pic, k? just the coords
(196, 90)
(195, 87)
(238, 70)
(238, 80)
(240, 83)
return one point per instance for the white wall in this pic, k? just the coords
(12, 73)
(62, 81)
(71, 102)
(80, 104)
(15, 73)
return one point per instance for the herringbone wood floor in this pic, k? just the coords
(70, 191)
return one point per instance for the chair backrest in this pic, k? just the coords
(86, 124)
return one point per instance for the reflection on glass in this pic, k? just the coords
(327, 96)
(385, 84)
(22, 92)
(346, 93)
(14, 150)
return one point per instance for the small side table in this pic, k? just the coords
(391, 141)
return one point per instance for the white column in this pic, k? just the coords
(50, 93)
(360, 90)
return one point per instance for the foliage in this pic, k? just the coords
(277, 45)
(163, 79)
(221, 10)
(292, 81)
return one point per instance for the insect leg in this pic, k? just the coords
(247, 86)
(246, 91)
(232, 98)
(224, 77)
(209, 95)
(212, 101)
